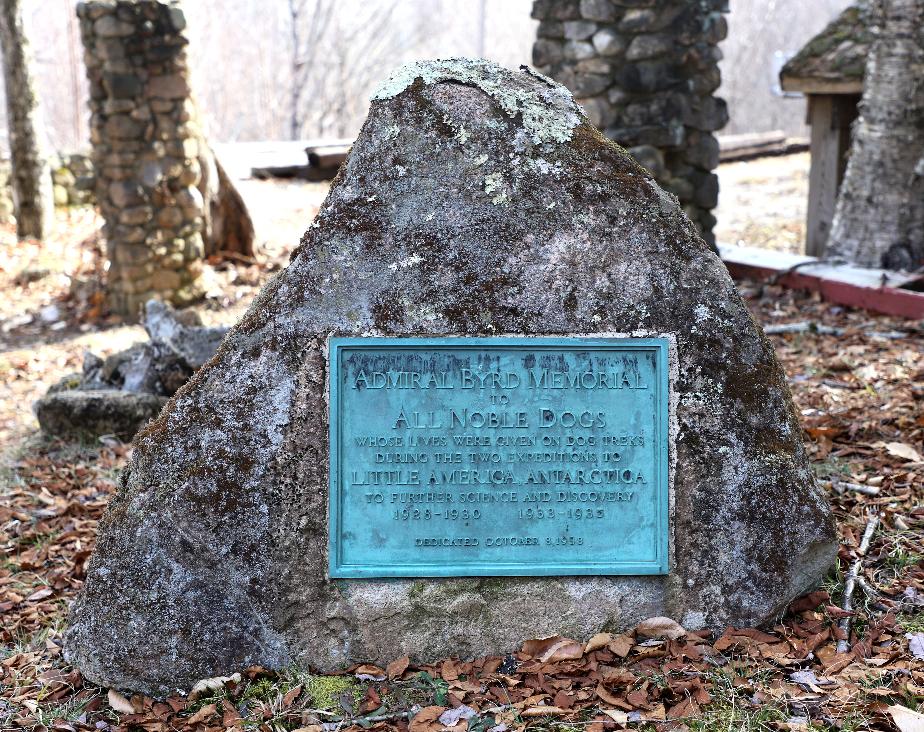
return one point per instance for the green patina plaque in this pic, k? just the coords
(498, 456)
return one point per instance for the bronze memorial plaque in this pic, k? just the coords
(498, 456)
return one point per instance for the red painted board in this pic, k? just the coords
(886, 300)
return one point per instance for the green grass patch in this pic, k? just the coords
(731, 710)
(911, 623)
(326, 692)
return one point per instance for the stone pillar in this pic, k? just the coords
(145, 149)
(645, 72)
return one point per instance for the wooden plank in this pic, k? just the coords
(240, 158)
(823, 175)
(810, 85)
(758, 144)
(267, 172)
(780, 261)
(877, 290)
(831, 118)
(327, 156)
(751, 139)
(845, 110)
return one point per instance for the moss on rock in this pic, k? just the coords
(839, 52)
(326, 692)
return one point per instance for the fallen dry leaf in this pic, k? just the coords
(904, 451)
(809, 601)
(916, 644)
(616, 715)
(291, 696)
(616, 675)
(119, 702)
(907, 720)
(448, 670)
(607, 696)
(426, 719)
(660, 628)
(600, 640)
(40, 594)
(207, 711)
(684, 710)
(450, 718)
(621, 645)
(397, 667)
(369, 669)
(552, 649)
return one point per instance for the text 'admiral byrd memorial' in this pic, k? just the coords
(498, 456)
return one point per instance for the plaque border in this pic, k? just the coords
(661, 346)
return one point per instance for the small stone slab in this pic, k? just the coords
(476, 202)
(91, 413)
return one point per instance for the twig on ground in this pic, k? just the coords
(868, 590)
(843, 644)
(868, 534)
(812, 326)
(775, 279)
(803, 326)
(362, 721)
(336, 724)
(841, 486)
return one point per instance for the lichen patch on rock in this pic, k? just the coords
(549, 113)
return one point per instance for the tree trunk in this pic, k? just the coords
(33, 196)
(879, 219)
(228, 227)
(295, 90)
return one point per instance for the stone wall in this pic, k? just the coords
(145, 149)
(73, 178)
(645, 72)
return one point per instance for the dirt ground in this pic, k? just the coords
(858, 382)
(762, 203)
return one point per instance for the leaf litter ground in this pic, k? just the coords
(858, 380)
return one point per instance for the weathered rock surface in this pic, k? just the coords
(182, 333)
(475, 201)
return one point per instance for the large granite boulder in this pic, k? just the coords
(476, 201)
